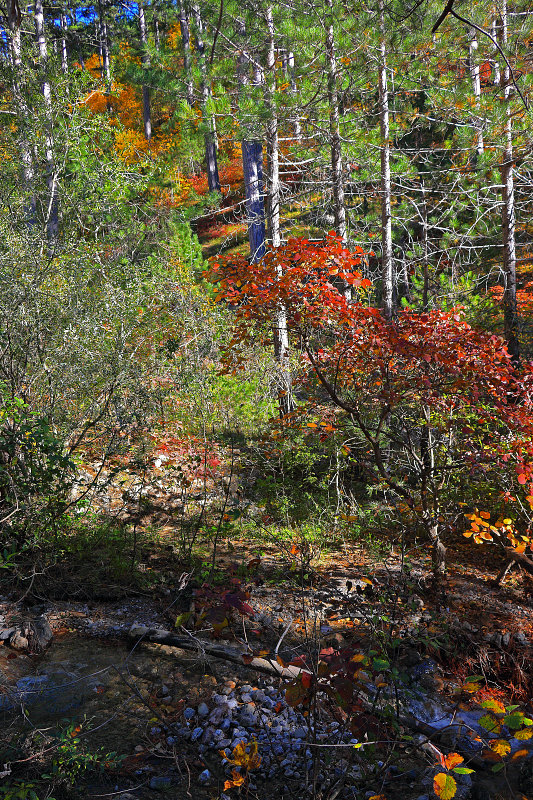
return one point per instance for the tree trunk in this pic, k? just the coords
(496, 76)
(252, 166)
(145, 60)
(272, 138)
(387, 277)
(104, 47)
(52, 212)
(339, 209)
(510, 311)
(23, 117)
(186, 44)
(211, 159)
(296, 121)
(476, 87)
(281, 337)
(64, 53)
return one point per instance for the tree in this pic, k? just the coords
(145, 60)
(419, 394)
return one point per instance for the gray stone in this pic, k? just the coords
(6, 634)
(40, 634)
(160, 783)
(203, 710)
(18, 641)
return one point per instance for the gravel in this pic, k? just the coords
(247, 714)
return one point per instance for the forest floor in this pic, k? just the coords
(343, 595)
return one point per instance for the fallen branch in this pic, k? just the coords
(514, 558)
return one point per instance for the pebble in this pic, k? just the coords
(204, 776)
(203, 710)
(197, 732)
(189, 713)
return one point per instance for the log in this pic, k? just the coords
(234, 655)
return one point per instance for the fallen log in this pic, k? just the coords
(235, 655)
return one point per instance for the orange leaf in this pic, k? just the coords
(453, 760)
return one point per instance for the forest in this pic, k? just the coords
(266, 400)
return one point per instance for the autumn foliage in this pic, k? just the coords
(435, 408)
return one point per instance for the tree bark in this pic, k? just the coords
(64, 52)
(510, 311)
(281, 337)
(387, 277)
(211, 158)
(339, 209)
(23, 117)
(145, 60)
(476, 87)
(52, 213)
(104, 47)
(252, 166)
(296, 121)
(186, 44)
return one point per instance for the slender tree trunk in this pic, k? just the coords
(281, 337)
(252, 165)
(52, 212)
(387, 277)
(476, 87)
(145, 60)
(157, 35)
(508, 212)
(104, 47)
(339, 209)
(64, 52)
(425, 248)
(496, 76)
(272, 137)
(23, 117)
(296, 121)
(186, 44)
(211, 158)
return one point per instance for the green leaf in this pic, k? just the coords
(498, 767)
(513, 721)
(463, 770)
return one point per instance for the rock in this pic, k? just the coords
(18, 641)
(335, 640)
(203, 710)
(160, 783)
(6, 634)
(40, 634)
(519, 637)
(204, 776)
(197, 732)
(189, 713)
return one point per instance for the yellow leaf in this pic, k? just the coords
(444, 786)
(524, 734)
(500, 746)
